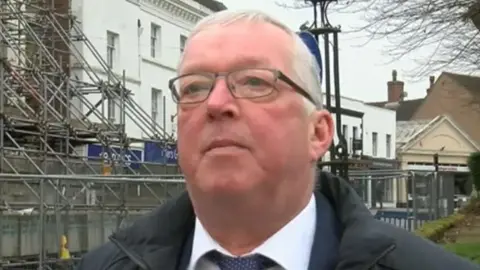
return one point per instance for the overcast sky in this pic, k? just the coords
(364, 70)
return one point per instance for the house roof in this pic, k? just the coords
(471, 83)
(404, 109)
(409, 131)
(213, 5)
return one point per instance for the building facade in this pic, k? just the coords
(142, 44)
(370, 134)
(138, 47)
(374, 127)
(417, 143)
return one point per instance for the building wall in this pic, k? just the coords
(131, 21)
(375, 120)
(448, 97)
(381, 121)
(452, 147)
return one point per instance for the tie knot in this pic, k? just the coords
(250, 262)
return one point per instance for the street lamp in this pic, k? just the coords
(321, 27)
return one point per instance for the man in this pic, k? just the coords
(379, 191)
(250, 130)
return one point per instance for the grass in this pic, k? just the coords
(436, 229)
(467, 250)
(458, 233)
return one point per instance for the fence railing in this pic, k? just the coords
(43, 210)
(406, 199)
(84, 210)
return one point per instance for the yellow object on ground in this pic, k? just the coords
(64, 252)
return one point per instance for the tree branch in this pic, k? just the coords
(442, 31)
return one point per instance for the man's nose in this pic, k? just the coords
(220, 102)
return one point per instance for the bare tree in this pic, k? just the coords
(445, 32)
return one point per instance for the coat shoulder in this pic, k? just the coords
(99, 258)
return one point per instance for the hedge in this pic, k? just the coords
(474, 167)
(435, 230)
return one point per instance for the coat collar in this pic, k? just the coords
(157, 240)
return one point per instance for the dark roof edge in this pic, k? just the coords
(213, 5)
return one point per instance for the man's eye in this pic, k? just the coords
(257, 81)
(190, 89)
(254, 81)
(195, 88)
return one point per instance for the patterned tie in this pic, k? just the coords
(250, 262)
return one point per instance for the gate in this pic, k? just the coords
(406, 199)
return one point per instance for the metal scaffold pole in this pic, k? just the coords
(321, 28)
(54, 104)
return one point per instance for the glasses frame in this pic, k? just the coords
(279, 75)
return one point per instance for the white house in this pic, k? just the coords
(373, 131)
(141, 41)
(374, 126)
(138, 44)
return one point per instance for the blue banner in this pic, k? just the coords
(312, 45)
(162, 154)
(132, 157)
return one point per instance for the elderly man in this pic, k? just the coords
(250, 131)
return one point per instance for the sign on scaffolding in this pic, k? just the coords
(113, 155)
(161, 154)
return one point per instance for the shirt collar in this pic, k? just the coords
(298, 233)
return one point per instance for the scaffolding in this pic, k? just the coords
(47, 118)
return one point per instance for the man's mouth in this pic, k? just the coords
(223, 143)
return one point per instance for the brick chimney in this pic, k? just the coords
(432, 81)
(395, 89)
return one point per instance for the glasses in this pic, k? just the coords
(246, 84)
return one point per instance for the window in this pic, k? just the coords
(345, 135)
(155, 39)
(389, 145)
(354, 137)
(112, 49)
(157, 107)
(374, 143)
(183, 41)
(113, 104)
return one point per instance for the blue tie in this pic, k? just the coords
(250, 262)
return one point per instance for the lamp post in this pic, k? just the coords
(322, 29)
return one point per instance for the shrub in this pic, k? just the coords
(474, 166)
(472, 207)
(434, 230)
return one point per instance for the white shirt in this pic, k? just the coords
(290, 247)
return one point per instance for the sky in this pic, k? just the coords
(364, 69)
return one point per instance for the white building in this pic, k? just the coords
(374, 126)
(141, 40)
(374, 130)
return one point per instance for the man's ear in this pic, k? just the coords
(321, 133)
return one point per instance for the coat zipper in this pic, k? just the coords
(383, 254)
(130, 254)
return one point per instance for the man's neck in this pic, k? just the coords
(240, 228)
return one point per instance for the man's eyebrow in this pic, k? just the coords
(237, 63)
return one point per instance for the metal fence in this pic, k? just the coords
(82, 209)
(408, 198)
(45, 210)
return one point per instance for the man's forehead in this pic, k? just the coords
(236, 46)
(193, 63)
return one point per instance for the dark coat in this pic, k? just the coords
(159, 241)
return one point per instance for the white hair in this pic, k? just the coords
(305, 68)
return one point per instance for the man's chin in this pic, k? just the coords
(225, 185)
